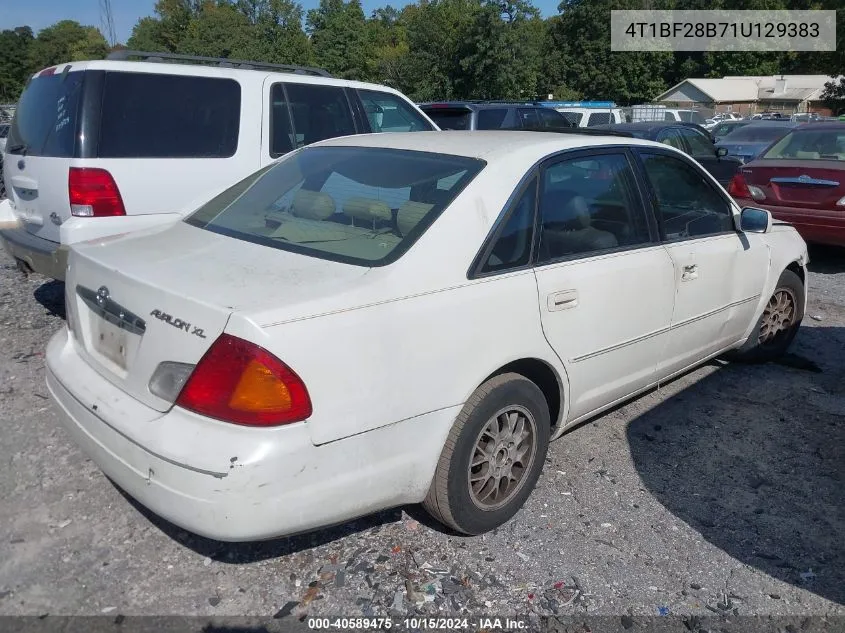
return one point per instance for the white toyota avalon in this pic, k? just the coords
(401, 318)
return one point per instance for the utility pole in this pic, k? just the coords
(107, 22)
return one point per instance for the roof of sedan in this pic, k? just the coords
(485, 144)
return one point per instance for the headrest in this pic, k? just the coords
(367, 209)
(313, 205)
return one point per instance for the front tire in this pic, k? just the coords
(492, 457)
(778, 325)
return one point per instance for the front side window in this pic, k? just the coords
(552, 119)
(146, 115)
(387, 112)
(687, 205)
(700, 146)
(319, 112)
(672, 138)
(512, 247)
(359, 205)
(589, 205)
(46, 119)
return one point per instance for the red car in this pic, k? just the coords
(800, 179)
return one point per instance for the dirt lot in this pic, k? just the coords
(723, 491)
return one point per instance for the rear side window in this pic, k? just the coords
(491, 119)
(528, 117)
(598, 118)
(319, 112)
(573, 117)
(389, 113)
(169, 116)
(450, 118)
(552, 119)
(46, 119)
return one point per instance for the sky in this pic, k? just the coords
(39, 14)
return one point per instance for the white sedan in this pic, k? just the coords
(402, 318)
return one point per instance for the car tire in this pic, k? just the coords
(503, 431)
(778, 325)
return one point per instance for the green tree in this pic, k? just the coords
(220, 30)
(389, 44)
(67, 41)
(577, 54)
(436, 31)
(500, 56)
(277, 26)
(147, 35)
(15, 65)
(339, 38)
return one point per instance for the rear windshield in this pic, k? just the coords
(46, 118)
(146, 115)
(726, 128)
(756, 134)
(450, 118)
(810, 145)
(357, 205)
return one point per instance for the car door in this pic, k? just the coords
(702, 149)
(719, 272)
(606, 286)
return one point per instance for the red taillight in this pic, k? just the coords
(240, 382)
(738, 187)
(93, 193)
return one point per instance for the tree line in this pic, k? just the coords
(429, 49)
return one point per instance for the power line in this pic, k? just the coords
(107, 22)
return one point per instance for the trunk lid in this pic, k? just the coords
(166, 295)
(39, 150)
(817, 184)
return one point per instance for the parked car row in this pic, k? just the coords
(278, 320)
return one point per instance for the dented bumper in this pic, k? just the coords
(234, 483)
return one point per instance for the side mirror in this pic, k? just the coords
(721, 152)
(754, 220)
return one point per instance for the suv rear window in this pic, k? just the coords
(358, 205)
(147, 115)
(450, 118)
(599, 118)
(45, 122)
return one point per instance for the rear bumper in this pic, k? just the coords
(233, 483)
(42, 256)
(815, 226)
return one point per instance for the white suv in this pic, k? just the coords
(99, 148)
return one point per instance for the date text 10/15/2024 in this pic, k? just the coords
(418, 623)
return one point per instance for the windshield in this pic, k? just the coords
(810, 145)
(450, 118)
(756, 134)
(358, 205)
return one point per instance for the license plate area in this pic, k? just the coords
(111, 342)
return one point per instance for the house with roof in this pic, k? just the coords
(749, 94)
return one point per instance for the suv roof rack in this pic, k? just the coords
(579, 130)
(125, 55)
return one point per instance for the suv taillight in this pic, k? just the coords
(738, 187)
(240, 382)
(93, 193)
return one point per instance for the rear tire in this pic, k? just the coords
(492, 457)
(778, 325)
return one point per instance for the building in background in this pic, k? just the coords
(788, 94)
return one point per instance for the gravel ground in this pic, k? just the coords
(721, 492)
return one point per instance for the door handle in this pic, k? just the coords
(690, 272)
(562, 300)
